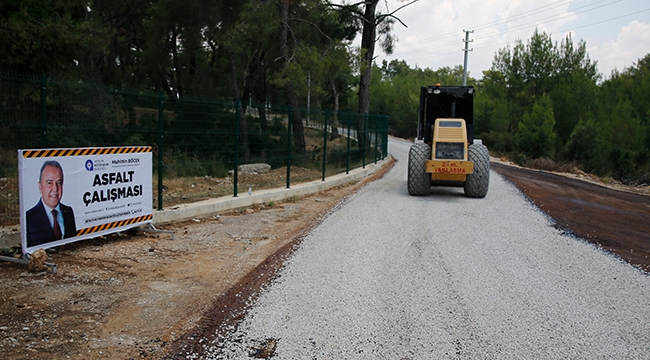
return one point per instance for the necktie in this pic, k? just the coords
(55, 225)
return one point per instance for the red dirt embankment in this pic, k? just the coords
(616, 220)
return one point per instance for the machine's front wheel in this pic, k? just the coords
(419, 181)
(478, 183)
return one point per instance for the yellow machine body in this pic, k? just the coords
(449, 151)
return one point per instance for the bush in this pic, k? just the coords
(542, 163)
(499, 142)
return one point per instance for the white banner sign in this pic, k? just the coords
(68, 195)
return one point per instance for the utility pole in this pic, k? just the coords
(466, 50)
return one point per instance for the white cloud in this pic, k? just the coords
(631, 44)
(435, 30)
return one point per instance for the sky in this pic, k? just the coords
(616, 32)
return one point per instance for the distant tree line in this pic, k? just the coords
(262, 51)
(541, 99)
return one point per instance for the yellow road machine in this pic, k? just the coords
(445, 152)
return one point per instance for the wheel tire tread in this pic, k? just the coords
(478, 183)
(419, 181)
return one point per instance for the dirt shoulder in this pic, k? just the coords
(615, 218)
(142, 295)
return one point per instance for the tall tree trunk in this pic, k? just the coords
(258, 92)
(292, 98)
(258, 88)
(236, 94)
(296, 118)
(264, 122)
(177, 65)
(334, 122)
(228, 12)
(368, 39)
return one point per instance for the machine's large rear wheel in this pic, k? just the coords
(419, 181)
(478, 183)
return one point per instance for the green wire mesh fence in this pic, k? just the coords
(199, 144)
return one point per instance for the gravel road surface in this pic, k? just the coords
(391, 276)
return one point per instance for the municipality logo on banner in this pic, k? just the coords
(73, 194)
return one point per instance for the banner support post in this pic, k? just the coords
(161, 133)
(25, 261)
(151, 228)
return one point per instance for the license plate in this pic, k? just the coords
(450, 167)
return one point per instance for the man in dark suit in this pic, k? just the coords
(50, 220)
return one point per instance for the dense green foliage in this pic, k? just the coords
(541, 99)
(395, 90)
(206, 48)
(271, 51)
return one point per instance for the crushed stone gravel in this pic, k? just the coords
(390, 276)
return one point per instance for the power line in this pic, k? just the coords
(505, 20)
(607, 20)
(579, 27)
(589, 7)
(455, 43)
(527, 26)
(498, 45)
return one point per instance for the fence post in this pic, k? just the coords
(236, 169)
(43, 111)
(327, 113)
(289, 147)
(161, 132)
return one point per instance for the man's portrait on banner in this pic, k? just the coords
(50, 220)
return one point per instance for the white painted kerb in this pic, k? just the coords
(10, 236)
(213, 206)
